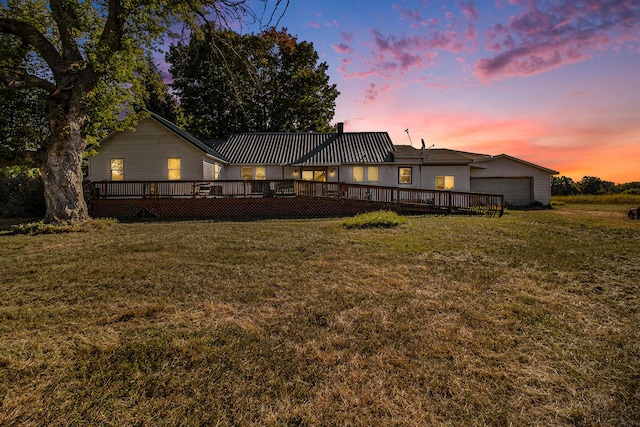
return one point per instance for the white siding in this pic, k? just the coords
(388, 175)
(459, 172)
(502, 167)
(145, 152)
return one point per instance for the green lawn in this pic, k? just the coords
(528, 319)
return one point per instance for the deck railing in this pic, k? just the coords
(410, 199)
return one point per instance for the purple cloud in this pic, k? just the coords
(469, 10)
(373, 91)
(547, 35)
(393, 55)
(342, 48)
(346, 36)
(414, 51)
(411, 15)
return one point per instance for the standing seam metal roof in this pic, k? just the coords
(306, 149)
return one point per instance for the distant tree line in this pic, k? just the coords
(565, 186)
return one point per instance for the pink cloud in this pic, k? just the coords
(403, 54)
(471, 35)
(526, 61)
(546, 36)
(469, 10)
(411, 15)
(373, 91)
(346, 36)
(392, 55)
(314, 24)
(342, 48)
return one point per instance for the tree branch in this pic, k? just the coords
(23, 158)
(66, 22)
(32, 37)
(111, 37)
(109, 43)
(24, 80)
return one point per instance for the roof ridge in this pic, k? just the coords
(186, 135)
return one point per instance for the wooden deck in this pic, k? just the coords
(366, 196)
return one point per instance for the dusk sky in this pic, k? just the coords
(556, 83)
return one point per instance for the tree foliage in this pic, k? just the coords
(595, 185)
(79, 60)
(592, 185)
(23, 126)
(21, 193)
(628, 188)
(157, 97)
(564, 186)
(268, 82)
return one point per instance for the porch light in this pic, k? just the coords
(295, 171)
(332, 171)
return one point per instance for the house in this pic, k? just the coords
(159, 150)
(521, 182)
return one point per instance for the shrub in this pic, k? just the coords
(380, 219)
(40, 227)
(21, 193)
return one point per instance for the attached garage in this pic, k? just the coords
(522, 183)
(517, 191)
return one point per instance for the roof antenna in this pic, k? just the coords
(407, 131)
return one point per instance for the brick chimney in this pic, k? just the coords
(340, 127)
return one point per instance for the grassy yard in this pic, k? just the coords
(528, 319)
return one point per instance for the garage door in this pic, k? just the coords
(516, 191)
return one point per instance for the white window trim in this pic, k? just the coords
(400, 168)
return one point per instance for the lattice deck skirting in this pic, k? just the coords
(224, 208)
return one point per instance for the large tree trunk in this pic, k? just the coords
(62, 165)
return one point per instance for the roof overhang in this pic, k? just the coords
(524, 162)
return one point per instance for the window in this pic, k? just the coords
(261, 172)
(247, 173)
(314, 174)
(250, 173)
(444, 183)
(173, 164)
(404, 175)
(117, 169)
(358, 174)
(216, 171)
(372, 174)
